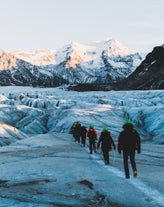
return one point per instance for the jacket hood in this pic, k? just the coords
(128, 127)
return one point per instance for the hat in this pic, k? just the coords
(91, 125)
(105, 129)
(128, 121)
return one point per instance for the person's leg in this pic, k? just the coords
(78, 138)
(103, 151)
(133, 163)
(75, 139)
(83, 141)
(126, 167)
(90, 145)
(94, 145)
(107, 156)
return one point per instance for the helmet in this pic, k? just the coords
(105, 129)
(91, 125)
(128, 121)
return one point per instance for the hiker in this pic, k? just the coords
(77, 131)
(92, 135)
(128, 142)
(72, 127)
(106, 142)
(83, 135)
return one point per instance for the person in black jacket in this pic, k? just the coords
(128, 142)
(106, 144)
(77, 132)
(83, 135)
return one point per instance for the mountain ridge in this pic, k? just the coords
(149, 75)
(99, 63)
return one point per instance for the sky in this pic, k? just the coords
(51, 24)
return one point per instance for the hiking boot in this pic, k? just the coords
(90, 152)
(106, 163)
(135, 173)
(127, 176)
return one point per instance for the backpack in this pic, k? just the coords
(83, 131)
(106, 139)
(91, 134)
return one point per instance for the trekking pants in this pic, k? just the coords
(126, 155)
(92, 144)
(83, 140)
(77, 137)
(106, 154)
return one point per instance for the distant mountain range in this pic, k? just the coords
(98, 63)
(102, 65)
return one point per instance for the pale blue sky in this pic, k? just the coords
(50, 24)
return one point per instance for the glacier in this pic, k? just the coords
(43, 110)
(42, 166)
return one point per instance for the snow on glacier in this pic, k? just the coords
(40, 110)
(41, 163)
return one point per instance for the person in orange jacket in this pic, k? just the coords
(92, 135)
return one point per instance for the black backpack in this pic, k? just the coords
(106, 139)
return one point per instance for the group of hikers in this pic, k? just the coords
(128, 143)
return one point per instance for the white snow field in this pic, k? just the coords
(42, 166)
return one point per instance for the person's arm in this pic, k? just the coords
(114, 146)
(87, 133)
(96, 133)
(120, 143)
(99, 141)
(138, 142)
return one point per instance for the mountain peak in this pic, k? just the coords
(7, 60)
(113, 47)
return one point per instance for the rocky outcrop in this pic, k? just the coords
(149, 74)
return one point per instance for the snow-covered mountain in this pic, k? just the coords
(22, 73)
(7, 60)
(36, 57)
(100, 62)
(148, 75)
